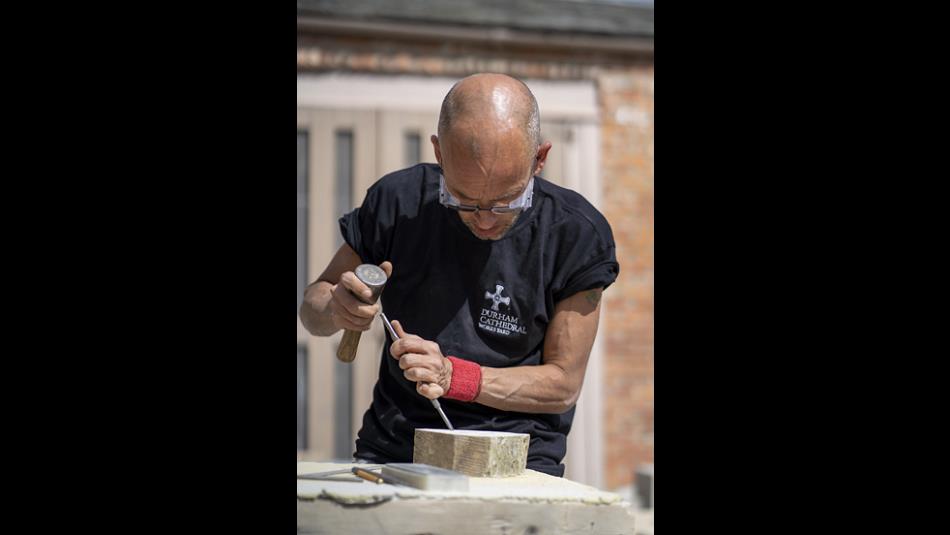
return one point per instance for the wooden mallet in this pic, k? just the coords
(375, 278)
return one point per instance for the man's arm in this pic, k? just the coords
(551, 387)
(555, 384)
(329, 303)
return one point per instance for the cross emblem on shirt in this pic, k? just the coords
(497, 298)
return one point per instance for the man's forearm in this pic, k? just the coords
(553, 386)
(315, 310)
(533, 389)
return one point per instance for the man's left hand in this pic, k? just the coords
(422, 362)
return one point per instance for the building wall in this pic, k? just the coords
(626, 97)
(625, 92)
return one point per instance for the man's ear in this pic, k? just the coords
(540, 157)
(438, 151)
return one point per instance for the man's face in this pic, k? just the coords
(496, 178)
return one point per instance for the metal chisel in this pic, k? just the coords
(435, 402)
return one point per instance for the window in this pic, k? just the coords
(302, 138)
(413, 144)
(342, 371)
(301, 397)
(301, 215)
(344, 174)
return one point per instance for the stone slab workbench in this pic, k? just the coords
(530, 503)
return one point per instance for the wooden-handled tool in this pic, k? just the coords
(375, 278)
(367, 475)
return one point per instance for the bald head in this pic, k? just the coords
(484, 109)
(489, 148)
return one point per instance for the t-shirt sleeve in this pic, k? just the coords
(599, 272)
(367, 228)
(588, 260)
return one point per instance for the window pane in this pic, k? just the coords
(413, 148)
(301, 397)
(344, 175)
(301, 214)
(343, 372)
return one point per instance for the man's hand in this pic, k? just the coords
(346, 310)
(422, 362)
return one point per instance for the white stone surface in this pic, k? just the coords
(530, 486)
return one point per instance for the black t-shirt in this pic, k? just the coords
(484, 301)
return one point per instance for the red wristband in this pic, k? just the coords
(466, 380)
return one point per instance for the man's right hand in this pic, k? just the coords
(347, 311)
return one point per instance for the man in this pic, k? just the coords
(495, 282)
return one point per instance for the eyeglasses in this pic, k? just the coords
(523, 202)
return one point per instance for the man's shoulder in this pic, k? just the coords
(410, 179)
(570, 210)
(402, 192)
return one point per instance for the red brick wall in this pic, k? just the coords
(626, 97)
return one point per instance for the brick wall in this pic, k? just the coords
(626, 97)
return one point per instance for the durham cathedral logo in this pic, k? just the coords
(494, 317)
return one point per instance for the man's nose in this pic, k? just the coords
(485, 219)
